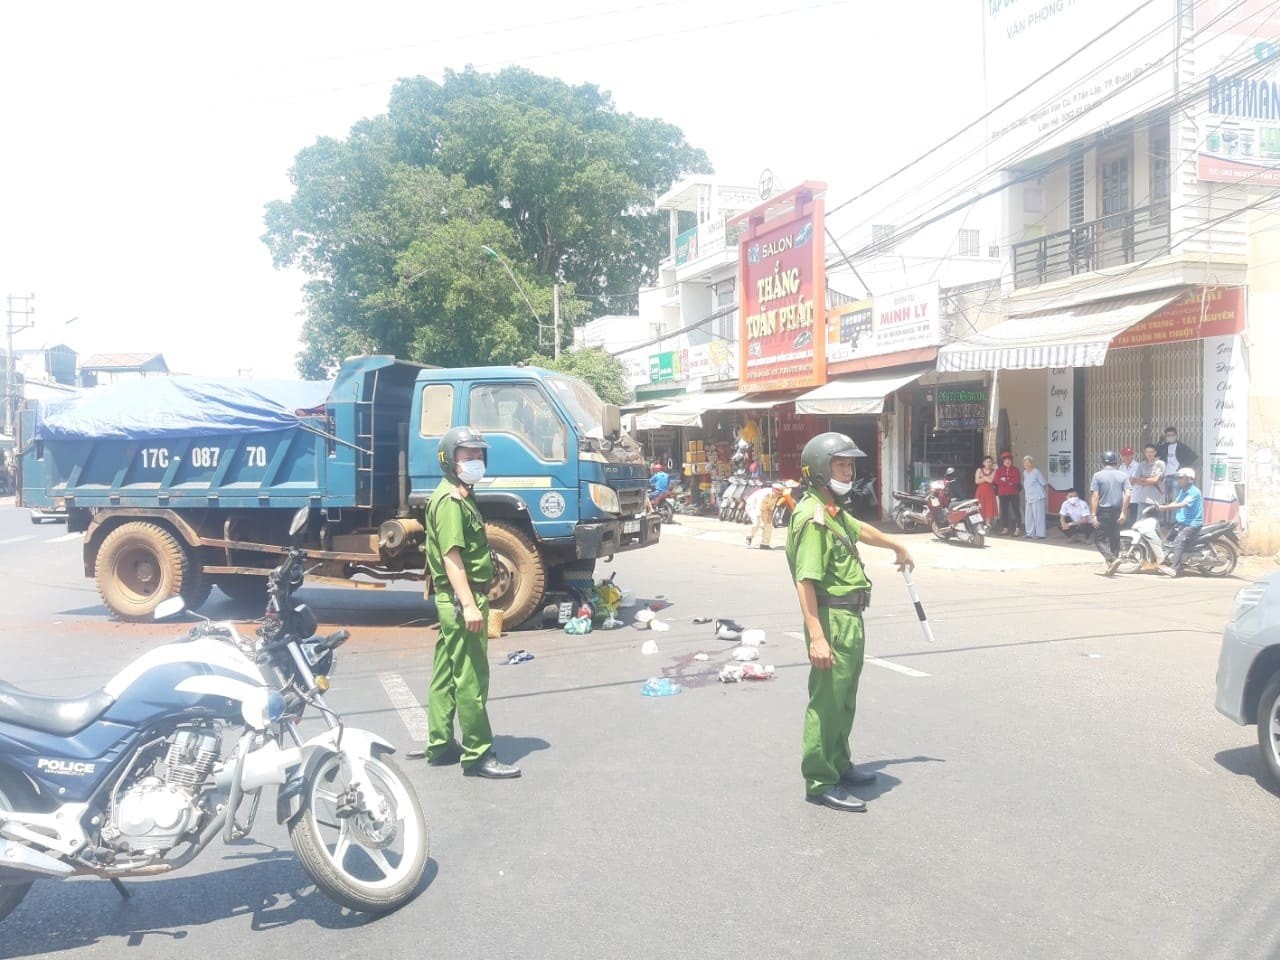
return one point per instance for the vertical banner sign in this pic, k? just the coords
(783, 300)
(1226, 429)
(1061, 473)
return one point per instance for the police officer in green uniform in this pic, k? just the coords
(461, 566)
(833, 588)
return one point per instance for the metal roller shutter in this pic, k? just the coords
(1113, 406)
(1177, 391)
(1156, 386)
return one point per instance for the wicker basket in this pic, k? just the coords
(495, 624)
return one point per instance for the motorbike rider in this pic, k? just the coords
(659, 480)
(1189, 519)
(833, 590)
(461, 567)
(1109, 492)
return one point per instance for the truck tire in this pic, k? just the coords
(521, 579)
(244, 590)
(197, 587)
(140, 565)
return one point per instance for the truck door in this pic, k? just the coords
(532, 452)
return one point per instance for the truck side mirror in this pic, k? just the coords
(612, 421)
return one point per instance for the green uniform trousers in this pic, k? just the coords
(460, 684)
(833, 697)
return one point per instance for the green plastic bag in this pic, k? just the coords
(578, 626)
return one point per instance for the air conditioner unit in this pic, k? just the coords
(993, 251)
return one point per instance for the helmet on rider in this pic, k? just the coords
(460, 438)
(1185, 473)
(815, 459)
(1110, 459)
(949, 473)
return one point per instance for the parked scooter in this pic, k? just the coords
(912, 511)
(137, 778)
(960, 520)
(786, 505)
(1148, 543)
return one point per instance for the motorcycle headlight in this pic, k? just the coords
(604, 497)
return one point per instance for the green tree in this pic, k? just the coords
(389, 223)
(602, 371)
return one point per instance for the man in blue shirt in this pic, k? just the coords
(659, 480)
(1189, 503)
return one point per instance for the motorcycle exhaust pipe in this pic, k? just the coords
(20, 862)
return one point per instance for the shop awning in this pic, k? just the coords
(688, 410)
(755, 403)
(852, 395)
(1076, 336)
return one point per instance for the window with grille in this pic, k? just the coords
(882, 236)
(1075, 181)
(969, 243)
(1161, 170)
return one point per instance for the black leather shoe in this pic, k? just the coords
(445, 756)
(491, 768)
(837, 798)
(853, 777)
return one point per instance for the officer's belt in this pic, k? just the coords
(476, 588)
(857, 601)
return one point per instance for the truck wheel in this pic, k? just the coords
(140, 565)
(521, 577)
(196, 589)
(1269, 731)
(244, 589)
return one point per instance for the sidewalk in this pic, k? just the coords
(1000, 553)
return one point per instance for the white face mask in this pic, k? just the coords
(839, 487)
(471, 472)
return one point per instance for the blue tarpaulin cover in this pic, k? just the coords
(157, 408)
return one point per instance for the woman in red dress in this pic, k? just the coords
(984, 484)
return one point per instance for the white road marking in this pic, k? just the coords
(65, 537)
(406, 704)
(876, 661)
(29, 536)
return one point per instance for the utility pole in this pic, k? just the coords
(555, 317)
(10, 367)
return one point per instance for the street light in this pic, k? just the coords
(556, 331)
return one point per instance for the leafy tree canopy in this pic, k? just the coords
(390, 224)
(602, 371)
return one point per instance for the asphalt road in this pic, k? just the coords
(1054, 779)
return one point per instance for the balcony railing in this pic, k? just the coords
(1114, 240)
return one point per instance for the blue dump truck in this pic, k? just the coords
(182, 484)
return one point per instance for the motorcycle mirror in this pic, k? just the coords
(170, 608)
(299, 522)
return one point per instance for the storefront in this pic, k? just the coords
(1115, 373)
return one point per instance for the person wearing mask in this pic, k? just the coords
(461, 568)
(1109, 502)
(1074, 517)
(1037, 492)
(833, 590)
(984, 488)
(1147, 482)
(1008, 484)
(1188, 520)
(1175, 455)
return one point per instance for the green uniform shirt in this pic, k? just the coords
(814, 553)
(456, 523)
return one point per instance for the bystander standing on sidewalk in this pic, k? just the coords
(1008, 482)
(1036, 489)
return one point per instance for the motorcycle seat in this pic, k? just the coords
(1213, 529)
(59, 716)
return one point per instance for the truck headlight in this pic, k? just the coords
(604, 497)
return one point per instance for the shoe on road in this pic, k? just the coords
(444, 756)
(1168, 571)
(1112, 566)
(837, 798)
(491, 768)
(853, 777)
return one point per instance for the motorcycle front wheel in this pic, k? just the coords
(1134, 555)
(1220, 558)
(369, 859)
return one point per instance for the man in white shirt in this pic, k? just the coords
(1074, 517)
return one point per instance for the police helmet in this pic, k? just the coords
(460, 438)
(815, 459)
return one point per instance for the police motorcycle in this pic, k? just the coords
(1147, 544)
(955, 519)
(138, 778)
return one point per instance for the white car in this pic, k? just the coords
(1249, 667)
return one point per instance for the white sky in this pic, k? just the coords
(141, 141)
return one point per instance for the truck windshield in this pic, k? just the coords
(587, 411)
